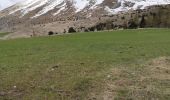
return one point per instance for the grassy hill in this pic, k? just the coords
(120, 65)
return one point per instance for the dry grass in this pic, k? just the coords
(150, 81)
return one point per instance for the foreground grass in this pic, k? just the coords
(102, 65)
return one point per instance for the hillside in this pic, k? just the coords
(118, 65)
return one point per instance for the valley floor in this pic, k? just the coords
(117, 65)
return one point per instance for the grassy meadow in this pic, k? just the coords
(3, 34)
(114, 65)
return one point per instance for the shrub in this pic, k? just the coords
(91, 29)
(71, 30)
(86, 30)
(132, 25)
(100, 26)
(50, 33)
(64, 31)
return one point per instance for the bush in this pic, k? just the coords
(64, 31)
(100, 26)
(71, 30)
(91, 29)
(50, 33)
(86, 30)
(132, 25)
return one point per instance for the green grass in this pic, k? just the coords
(86, 66)
(3, 34)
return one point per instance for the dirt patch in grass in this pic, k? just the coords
(150, 81)
(160, 68)
(12, 93)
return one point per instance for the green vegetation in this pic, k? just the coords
(124, 65)
(3, 34)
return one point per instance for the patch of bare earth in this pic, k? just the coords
(12, 93)
(160, 68)
(150, 81)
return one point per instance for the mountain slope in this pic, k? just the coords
(41, 7)
(55, 7)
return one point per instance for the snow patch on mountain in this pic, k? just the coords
(50, 6)
(61, 8)
(29, 5)
(81, 4)
(45, 6)
(125, 5)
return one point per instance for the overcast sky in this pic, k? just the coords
(7, 3)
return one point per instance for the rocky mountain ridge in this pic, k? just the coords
(38, 8)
